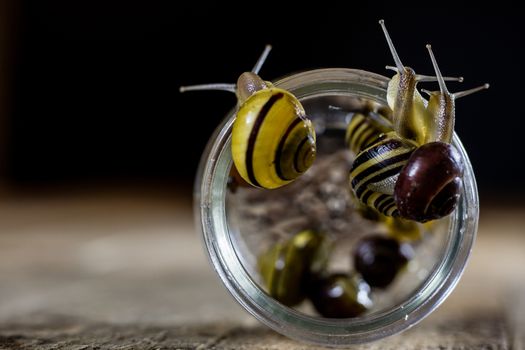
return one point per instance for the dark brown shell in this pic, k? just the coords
(429, 185)
(379, 259)
(340, 295)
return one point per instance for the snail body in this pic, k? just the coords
(442, 106)
(410, 117)
(273, 142)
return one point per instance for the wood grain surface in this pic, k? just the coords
(127, 271)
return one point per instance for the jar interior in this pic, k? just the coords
(320, 200)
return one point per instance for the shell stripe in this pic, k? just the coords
(382, 158)
(381, 199)
(362, 131)
(356, 122)
(371, 140)
(297, 153)
(386, 205)
(253, 135)
(366, 195)
(280, 148)
(306, 154)
(383, 203)
(377, 167)
(354, 139)
(390, 209)
(384, 146)
(377, 177)
(364, 139)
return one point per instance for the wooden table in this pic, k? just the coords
(127, 271)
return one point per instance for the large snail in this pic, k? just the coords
(429, 185)
(273, 142)
(412, 171)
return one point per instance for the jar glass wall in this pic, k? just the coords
(328, 96)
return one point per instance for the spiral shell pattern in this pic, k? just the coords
(374, 172)
(272, 140)
(429, 186)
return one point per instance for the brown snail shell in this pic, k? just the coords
(379, 259)
(429, 185)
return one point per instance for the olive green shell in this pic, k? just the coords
(286, 268)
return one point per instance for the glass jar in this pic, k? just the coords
(233, 262)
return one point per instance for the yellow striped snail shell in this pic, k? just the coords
(375, 169)
(273, 142)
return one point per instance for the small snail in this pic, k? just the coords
(413, 172)
(379, 259)
(287, 267)
(273, 142)
(339, 295)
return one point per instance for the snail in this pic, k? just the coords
(414, 173)
(287, 267)
(273, 142)
(375, 169)
(441, 106)
(429, 185)
(339, 295)
(379, 259)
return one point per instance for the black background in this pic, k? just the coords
(93, 85)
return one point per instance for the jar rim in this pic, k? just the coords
(210, 214)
